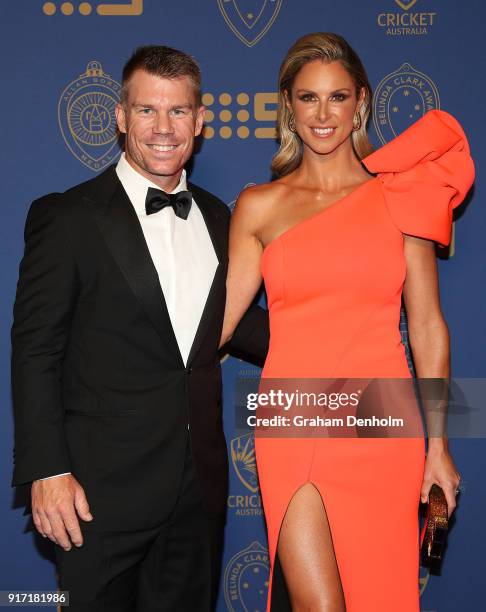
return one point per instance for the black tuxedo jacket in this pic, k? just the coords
(99, 385)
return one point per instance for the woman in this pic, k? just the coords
(337, 246)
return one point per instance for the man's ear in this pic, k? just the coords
(199, 120)
(121, 118)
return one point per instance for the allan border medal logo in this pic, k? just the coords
(401, 98)
(246, 579)
(249, 20)
(86, 114)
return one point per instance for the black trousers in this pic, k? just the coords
(174, 567)
(280, 594)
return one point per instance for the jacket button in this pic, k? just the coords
(189, 370)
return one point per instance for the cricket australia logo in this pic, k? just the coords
(405, 5)
(249, 20)
(243, 458)
(86, 114)
(401, 98)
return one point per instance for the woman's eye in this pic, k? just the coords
(307, 97)
(339, 97)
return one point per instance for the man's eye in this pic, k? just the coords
(145, 111)
(178, 111)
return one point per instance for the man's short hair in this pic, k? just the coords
(164, 62)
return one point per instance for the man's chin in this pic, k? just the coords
(164, 170)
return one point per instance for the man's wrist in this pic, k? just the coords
(55, 476)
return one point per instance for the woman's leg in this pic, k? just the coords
(306, 554)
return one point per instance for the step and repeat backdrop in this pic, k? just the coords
(61, 75)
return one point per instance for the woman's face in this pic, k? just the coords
(324, 104)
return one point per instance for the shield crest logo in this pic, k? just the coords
(249, 20)
(243, 459)
(86, 115)
(405, 5)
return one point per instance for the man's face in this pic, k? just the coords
(160, 118)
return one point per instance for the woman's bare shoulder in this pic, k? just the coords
(261, 199)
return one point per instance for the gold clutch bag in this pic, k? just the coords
(434, 531)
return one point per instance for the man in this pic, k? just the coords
(116, 376)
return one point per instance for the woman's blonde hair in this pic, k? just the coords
(327, 47)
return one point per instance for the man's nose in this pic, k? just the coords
(163, 124)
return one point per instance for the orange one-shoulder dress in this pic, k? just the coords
(334, 285)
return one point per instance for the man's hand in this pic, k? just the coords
(56, 504)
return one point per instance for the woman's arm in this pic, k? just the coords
(245, 251)
(429, 342)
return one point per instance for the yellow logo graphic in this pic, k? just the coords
(244, 505)
(406, 23)
(401, 98)
(127, 8)
(246, 579)
(249, 20)
(423, 579)
(243, 111)
(243, 458)
(405, 5)
(86, 115)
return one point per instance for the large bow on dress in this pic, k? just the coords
(426, 172)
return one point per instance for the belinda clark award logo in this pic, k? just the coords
(245, 579)
(402, 97)
(250, 20)
(86, 114)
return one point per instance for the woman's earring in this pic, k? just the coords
(292, 123)
(357, 122)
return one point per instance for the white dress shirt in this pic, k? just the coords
(181, 250)
(182, 253)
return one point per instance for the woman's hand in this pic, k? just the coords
(440, 470)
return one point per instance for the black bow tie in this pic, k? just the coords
(157, 199)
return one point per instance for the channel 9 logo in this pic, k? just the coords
(240, 115)
(120, 9)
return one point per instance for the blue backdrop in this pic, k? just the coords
(61, 71)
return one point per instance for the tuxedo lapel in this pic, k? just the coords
(121, 230)
(217, 229)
